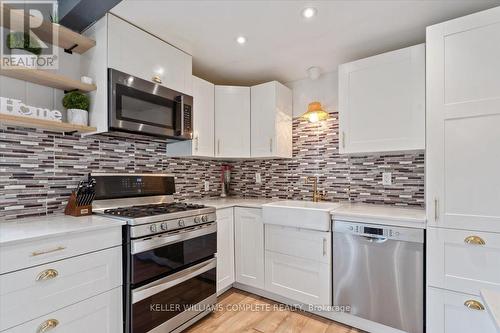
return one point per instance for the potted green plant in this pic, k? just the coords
(22, 44)
(77, 105)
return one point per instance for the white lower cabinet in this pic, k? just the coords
(298, 264)
(299, 279)
(36, 291)
(462, 260)
(225, 249)
(249, 246)
(99, 314)
(447, 312)
(69, 283)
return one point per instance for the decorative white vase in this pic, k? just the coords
(78, 117)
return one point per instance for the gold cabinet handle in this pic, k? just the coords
(47, 274)
(474, 305)
(47, 325)
(474, 240)
(157, 79)
(39, 253)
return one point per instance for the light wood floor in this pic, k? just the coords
(231, 316)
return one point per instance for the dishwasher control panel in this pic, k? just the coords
(379, 231)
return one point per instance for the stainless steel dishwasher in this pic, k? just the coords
(379, 271)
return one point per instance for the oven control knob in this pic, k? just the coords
(204, 218)
(181, 223)
(163, 226)
(197, 219)
(152, 227)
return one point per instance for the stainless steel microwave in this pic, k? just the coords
(139, 106)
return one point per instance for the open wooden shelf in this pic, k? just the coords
(67, 39)
(50, 125)
(45, 78)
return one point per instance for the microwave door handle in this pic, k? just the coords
(168, 282)
(179, 114)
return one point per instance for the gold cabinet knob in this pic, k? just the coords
(157, 79)
(47, 274)
(474, 240)
(473, 305)
(47, 325)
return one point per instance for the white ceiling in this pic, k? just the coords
(281, 44)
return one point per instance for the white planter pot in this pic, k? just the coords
(78, 117)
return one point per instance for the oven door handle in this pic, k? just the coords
(141, 245)
(168, 282)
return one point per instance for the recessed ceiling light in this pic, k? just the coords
(241, 40)
(309, 12)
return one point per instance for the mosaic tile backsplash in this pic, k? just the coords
(316, 153)
(38, 169)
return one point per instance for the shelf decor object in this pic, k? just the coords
(69, 40)
(15, 107)
(45, 78)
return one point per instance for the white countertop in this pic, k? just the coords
(381, 214)
(219, 203)
(33, 228)
(492, 300)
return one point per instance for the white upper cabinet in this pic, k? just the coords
(232, 121)
(138, 53)
(382, 102)
(463, 121)
(271, 120)
(202, 143)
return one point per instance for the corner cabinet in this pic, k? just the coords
(249, 246)
(271, 120)
(232, 122)
(202, 144)
(382, 102)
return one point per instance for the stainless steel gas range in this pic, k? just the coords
(169, 251)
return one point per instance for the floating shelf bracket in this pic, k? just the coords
(70, 50)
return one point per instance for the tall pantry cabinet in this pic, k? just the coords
(462, 171)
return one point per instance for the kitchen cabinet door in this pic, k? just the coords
(249, 246)
(299, 279)
(447, 313)
(232, 121)
(202, 143)
(138, 53)
(28, 293)
(463, 118)
(271, 120)
(462, 260)
(225, 249)
(102, 313)
(298, 264)
(382, 102)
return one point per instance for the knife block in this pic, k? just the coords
(74, 210)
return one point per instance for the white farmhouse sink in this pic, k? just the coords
(299, 214)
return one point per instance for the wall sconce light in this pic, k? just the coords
(315, 113)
